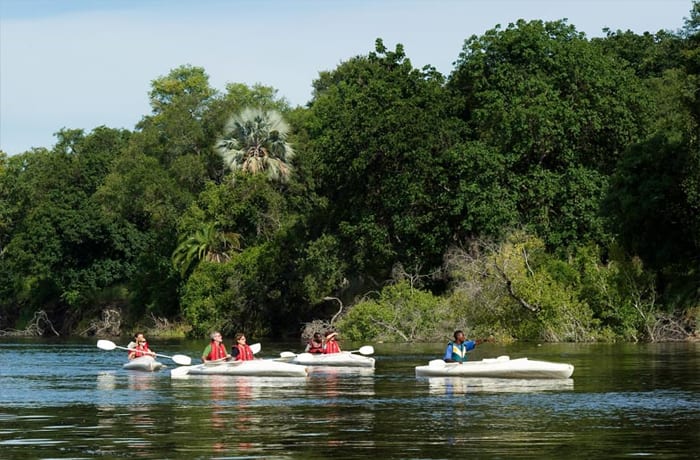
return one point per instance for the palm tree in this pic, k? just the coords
(205, 243)
(256, 141)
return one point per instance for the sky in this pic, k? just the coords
(80, 64)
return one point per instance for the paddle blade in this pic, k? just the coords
(255, 348)
(366, 350)
(182, 360)
(179, 372)
(106, 345)
(287, 354)
(437, 363)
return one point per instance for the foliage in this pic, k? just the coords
(379, 133)
(256, 141)
(60, 251)
(207, 243)
(549, 189)
(518, 288)
(322, 268)
(560, 111)
(399, 314)
(206, 298)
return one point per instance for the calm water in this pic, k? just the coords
(72, 400)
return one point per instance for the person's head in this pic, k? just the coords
(317, 337)
(139, 338)
(216, 336)
(331, 335)
(459, 336)
(239, 339)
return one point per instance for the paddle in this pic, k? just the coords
(178, 359)
(366, 350)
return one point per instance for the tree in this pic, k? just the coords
(379, 138)
(181, 130)
(255, 141)
(561, 113)
(60, 252)
(207, 243)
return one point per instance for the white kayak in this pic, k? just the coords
(256, 367)
(342, 359)
(143, 363)
(502, 367)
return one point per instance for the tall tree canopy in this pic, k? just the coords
(380, 133)
(559, 111)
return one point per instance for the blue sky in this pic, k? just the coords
(87, 63)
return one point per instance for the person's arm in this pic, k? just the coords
(448, 354)
(206, 353)
(149, 352)
(234, 353)
(308, 347)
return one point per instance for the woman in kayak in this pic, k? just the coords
(331, 345)
(240, 350)
(216, 350)
(456, 351)
(140, 347)
(315, 345)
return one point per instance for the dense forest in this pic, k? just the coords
(547, 189)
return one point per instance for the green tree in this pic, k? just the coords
(60, 252)
(181, 130)
(379, 134)
(206, 243)
(255, 141)
(517, 289)
(560, 111)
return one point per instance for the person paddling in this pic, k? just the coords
(315, 345)
(456, 351)
(140, 347)
(331, 345)
(216, 350)
(240, 350)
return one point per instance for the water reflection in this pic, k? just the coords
(627, 401)
(461, 385)
(106, 381)
(142, 381)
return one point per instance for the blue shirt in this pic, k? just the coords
(458, 352)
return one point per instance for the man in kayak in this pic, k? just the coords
(240, 350)
(331, 345)
(216, 350)
(315, 345)
(139, 347)
(456, 351)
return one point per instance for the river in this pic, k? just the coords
(69, 399)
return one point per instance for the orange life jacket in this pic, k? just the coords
(315, 347)
(331, 347)
(218, 351)
(244, 353)
(139, 350)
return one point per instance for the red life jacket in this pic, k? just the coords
(315, 347)
(218, 351)
(140, 350)
(244, 353)
(331, 347)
